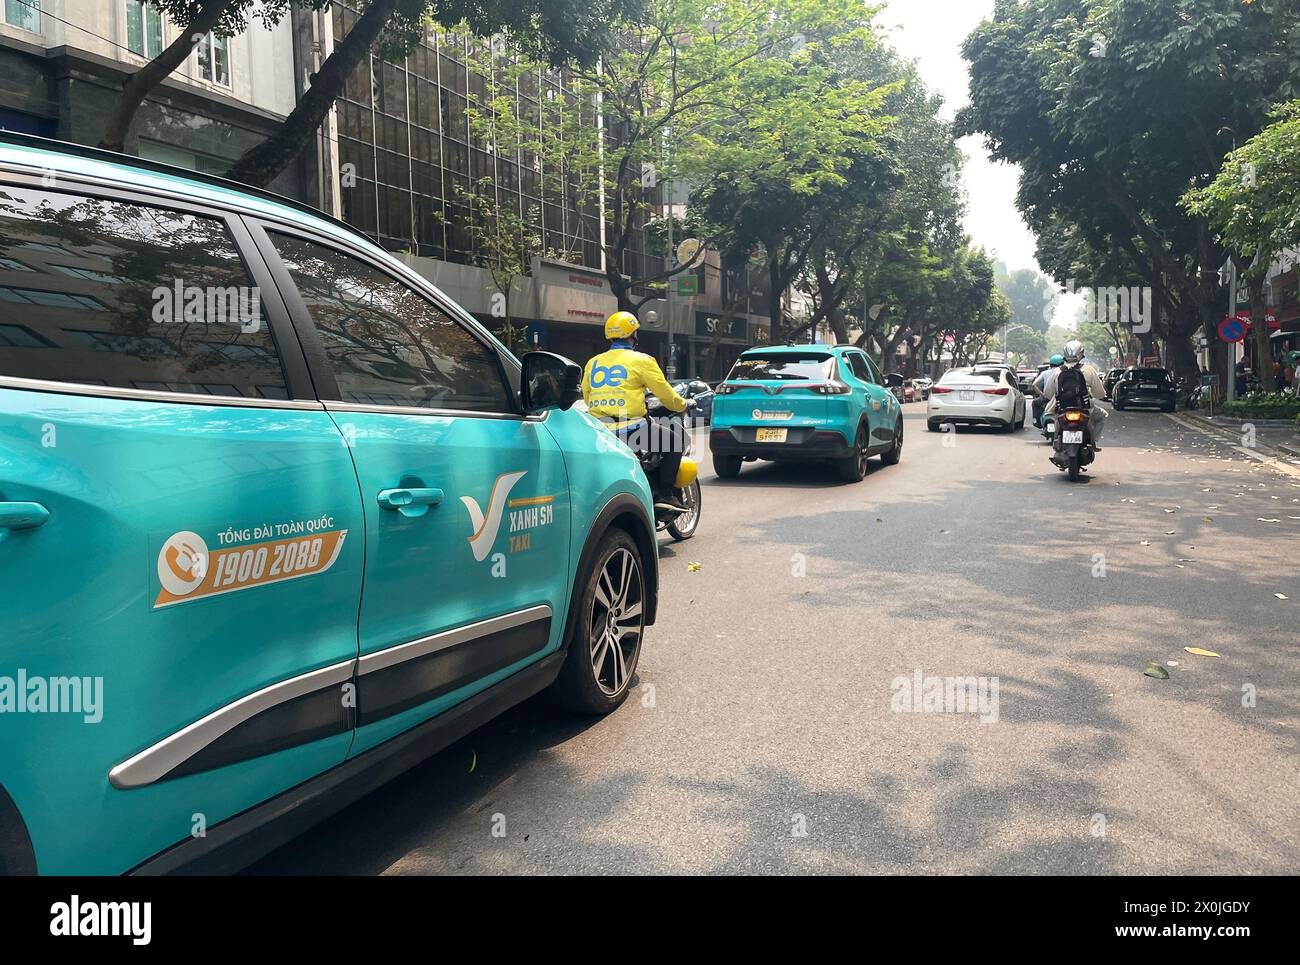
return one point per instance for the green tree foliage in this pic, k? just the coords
(1112, 108)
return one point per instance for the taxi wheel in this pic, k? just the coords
(727, 467)
(854, 468)
(895, 452)
(605, 643)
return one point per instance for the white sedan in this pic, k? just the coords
(976, 396)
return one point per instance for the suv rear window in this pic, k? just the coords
(1149, 375)
(814, 366)
(126, 295)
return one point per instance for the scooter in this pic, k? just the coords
(1045, 423)
(1072, 447)
(676, 510)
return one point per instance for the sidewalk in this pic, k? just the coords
(1270, 433)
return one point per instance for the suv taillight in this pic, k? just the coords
(1002, 391)
(831, 388)
(939, 390)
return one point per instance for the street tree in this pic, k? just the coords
(1112, 108)
(1254, 205)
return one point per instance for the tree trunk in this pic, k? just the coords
(262, 163)
(1260, 336)
(144, 81)
(775, 295)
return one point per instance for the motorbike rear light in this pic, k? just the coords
(939, 390)
(1074, 417)
(831, 388)
(1002, 391)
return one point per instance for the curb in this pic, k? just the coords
(1229, 422)
(1289, 449)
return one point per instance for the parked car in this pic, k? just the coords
(1025, 378)
(979, 395)
(1151, 388)
(259, 482)
(895, 384)
(805, 403)
(1111, 380)
(910, 391)
(923, 383)
(703, 395)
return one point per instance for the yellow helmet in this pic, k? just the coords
(621, 325)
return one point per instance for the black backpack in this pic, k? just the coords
(1071, 388)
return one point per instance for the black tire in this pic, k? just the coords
(583, 686)
(854, 468)
(932, 426)
(894, 453)
(1074, 469)
(684, 527)
(727, 467)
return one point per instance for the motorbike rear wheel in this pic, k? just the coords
(1074, 469)
(684, 526)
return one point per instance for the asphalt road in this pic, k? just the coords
(765, 735)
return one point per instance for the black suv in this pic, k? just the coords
(1145, 387)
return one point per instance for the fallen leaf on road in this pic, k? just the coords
(1200, 653)
(1171, 532)
(1208, 519)
(693, 567)
(1281, 596)
(473, 762)
(1145, 542)
(1155, 670)
(1261, 519)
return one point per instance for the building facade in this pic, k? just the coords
(397, 157)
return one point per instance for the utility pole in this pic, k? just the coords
(672, 355)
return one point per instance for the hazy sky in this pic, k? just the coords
(931, 32)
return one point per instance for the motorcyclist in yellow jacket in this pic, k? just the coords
(614, 384)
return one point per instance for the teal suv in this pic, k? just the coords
(278, 520)
(805, 403)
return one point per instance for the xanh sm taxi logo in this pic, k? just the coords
(526, 514)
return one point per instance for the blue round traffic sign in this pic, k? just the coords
(1232, 330)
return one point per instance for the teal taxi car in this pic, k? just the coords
(805, 403)
(278, 520)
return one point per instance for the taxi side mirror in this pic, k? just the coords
(549, 381)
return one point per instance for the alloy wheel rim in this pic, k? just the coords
(615, 621)
(692, 514)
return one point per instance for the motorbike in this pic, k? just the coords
(1049, 427)
(1072, 446)
(676, 510)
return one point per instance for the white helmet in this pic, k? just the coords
(1073, 351)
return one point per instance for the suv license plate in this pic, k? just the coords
(1072, 438)
(770, 435)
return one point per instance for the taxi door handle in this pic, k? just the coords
(22, 515)
(409, 502)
